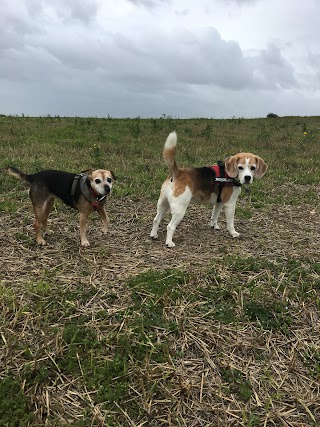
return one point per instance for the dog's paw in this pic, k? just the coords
(154, 235)
(170, 245)
(85, 243)
(41, 242)
(214, 225)
(48, 232)
(234, 234)
(104, 230)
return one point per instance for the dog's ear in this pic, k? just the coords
(88, 172)
(262, 167)
(231, 166)
(113, 176)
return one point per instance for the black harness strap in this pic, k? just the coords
(222, 175)
(73, 188)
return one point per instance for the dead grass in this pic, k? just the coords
(203, 370)
(215, 332)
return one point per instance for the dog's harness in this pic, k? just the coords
(222, 179)
(86, 190)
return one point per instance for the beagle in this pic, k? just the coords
(85, 192)
(201, 186)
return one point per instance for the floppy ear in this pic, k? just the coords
(231, 166)
(262, 167)
(113, 175)
(88, 171)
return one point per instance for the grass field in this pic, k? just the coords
(214, 332)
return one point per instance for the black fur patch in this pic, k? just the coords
(56, 182)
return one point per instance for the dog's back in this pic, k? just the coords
(42, 184)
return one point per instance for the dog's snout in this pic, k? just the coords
(247, 178)
(107, 189)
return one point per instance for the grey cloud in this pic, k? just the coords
(241, 2)
(151, 60)
(272, 70)
(82, 10)
(310, 74)
(207, 59)
(14, 26)
(148, 3)
(87, 70)
(313, 59)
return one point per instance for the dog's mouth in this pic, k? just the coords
(105, 192)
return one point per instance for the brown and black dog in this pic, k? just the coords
(85, 192)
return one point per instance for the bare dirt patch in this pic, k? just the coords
(277, 232)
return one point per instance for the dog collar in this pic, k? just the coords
(86, 190)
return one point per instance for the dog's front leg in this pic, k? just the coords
(105, 219)
(229, 210)
(215, 215)
(83, 229)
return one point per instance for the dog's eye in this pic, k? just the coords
(97, 181)
(253, 168)
(109, 180)
(240, 168)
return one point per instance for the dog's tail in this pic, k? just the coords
(169, 152)
(18, 174)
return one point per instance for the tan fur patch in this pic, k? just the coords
(182, 181)
(226, 193)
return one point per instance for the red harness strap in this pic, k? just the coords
(223, 179)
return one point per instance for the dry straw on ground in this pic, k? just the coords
(201, 387)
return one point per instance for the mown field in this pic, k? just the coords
(214, 332)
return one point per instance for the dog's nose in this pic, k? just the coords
(107, 189)
(247, 178)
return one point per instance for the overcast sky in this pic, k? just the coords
(184, 58)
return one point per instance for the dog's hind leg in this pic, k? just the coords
(162, 208)
(177, 216)
(178, 206)
(40, 220)
(42, 202)
(47, 209)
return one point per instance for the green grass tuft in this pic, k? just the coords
(14, 405)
